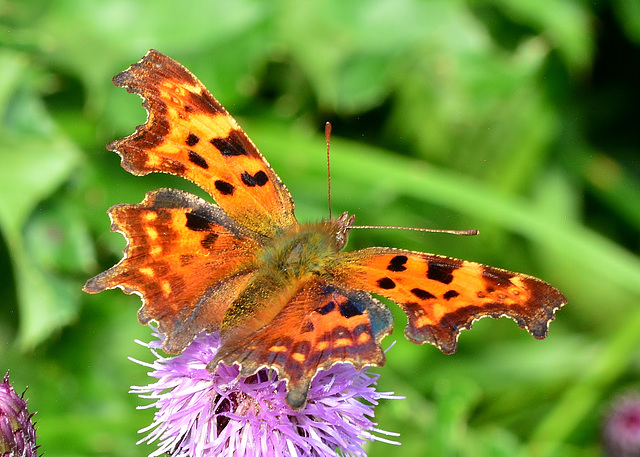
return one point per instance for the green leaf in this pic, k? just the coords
(565, 23)
(628, 12)
(36, 159)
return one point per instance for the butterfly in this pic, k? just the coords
(281, 294)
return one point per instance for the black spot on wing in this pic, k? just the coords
(349, 309)
(192, 139)
(326, 309)
(224, 187)
(197, 159)
(197, 222)
(398, 263)
(442, 272)
(231, 146)
(448, 295)
(422, 294)
(259, 179)
(386, 283)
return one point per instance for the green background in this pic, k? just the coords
(518, 118)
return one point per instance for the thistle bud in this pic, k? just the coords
(17, 433)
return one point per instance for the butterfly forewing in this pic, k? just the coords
(189, 134)
(442, 295)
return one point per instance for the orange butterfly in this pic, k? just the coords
(280, 293)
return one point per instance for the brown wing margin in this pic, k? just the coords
(189, 134)
(442, 295)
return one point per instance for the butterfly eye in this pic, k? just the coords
(341, 239)
(341, 227)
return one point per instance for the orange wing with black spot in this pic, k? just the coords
(185, 257)
(189, 134)
(442, 295)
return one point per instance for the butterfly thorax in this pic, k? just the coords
(304, 249)
(286, 262)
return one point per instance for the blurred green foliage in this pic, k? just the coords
(516, 117)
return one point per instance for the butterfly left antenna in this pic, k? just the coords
(327, 135)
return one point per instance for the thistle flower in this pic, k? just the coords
(17, 433)
(222, 414)
(621, 431)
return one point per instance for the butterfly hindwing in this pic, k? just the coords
(189, 134)
(185, 257)
(442, 295)
(322, 325)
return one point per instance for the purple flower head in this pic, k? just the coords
(204, 414)
(621, 431)
(17, 433)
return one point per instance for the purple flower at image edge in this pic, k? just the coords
(17, 432)
(621, 427)
(203, 414)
